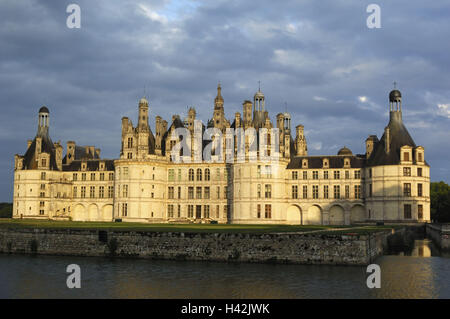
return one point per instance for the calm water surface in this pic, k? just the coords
(422, 275)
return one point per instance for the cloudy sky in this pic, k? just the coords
(318, 57)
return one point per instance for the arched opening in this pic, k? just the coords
(294, 215)
(315, 215)
(93, 212)
(107, 213)
(357, 214)
(79, 213)
(337, 215)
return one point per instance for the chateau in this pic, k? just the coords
(389, 183)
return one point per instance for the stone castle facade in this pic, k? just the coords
(389, 183)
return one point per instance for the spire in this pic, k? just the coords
(218, 101)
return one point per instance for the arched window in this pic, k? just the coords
(191, 174)
(199, 174)
(207, 174)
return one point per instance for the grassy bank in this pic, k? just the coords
(193, 228)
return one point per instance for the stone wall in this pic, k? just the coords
(278, 248)
(440, 234)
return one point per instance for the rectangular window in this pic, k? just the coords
(268, 211)
(406, 171)
(179, 192)
(170, 211)
(268, 191)
(83, 176)
(92, 192)
(258, 211)
(315, 191)
(305, 175)
(190, 211)
(268, 169)
(129, 155)
(218, 192)
(419, 190)
(294, 191)
(179, 174)
(325, 191)
(406, 156)
(358, 174)
(419, 171)
(258, 173)
(325, 174)
(43, 176)
(191, 193)
(207, 193)
(370, 190)
(337, 191)
(102, 176)
(225, 192)
(83, 191)
(217, 211)
(75, 177)
(407, 189)
(347, 191)
(124, 209)
(315, 175)
(171, 193)
(357, 191)
(347, 175)
(110, 191)
(420, 211)
(92, 176)
(101, 192)
(294, 175)
(206, 211)
(125, 172)
(305, 191)
(337, 175)
(407, 211)
(259, 190)
(75, 192)
(125, 191)
(171, 175)
(199, 193)
(111, 176)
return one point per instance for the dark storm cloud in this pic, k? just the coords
(317, 56)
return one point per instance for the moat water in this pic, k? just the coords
(420, 273)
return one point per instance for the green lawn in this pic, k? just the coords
(194, 228)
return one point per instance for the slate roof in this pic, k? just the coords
(29, 161)
(92, 165)
(336, 161)
(399, 136)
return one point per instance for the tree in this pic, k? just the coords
(440, 202)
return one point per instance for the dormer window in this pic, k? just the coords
(406, 156)
(326, 163)
(305, 163)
